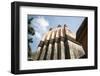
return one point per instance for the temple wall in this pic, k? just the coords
(59, 43)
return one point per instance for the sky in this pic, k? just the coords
(42, 23)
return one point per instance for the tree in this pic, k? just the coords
(31, 31)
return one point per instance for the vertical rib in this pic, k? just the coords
(62, 44)
(67, 50)
(49, 52)
(55, 52)
(43, 53)
(55, 56)
(48, 46)
(40, 47)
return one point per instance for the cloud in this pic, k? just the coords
(42, 21)
(40, 25)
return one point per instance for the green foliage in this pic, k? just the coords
(31, 31)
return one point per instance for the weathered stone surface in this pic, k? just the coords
(59, 43)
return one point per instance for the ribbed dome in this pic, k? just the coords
(59, 43)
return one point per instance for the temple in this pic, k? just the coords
(61, 43)
(82, 36)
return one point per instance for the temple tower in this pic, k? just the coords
(59, 43)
